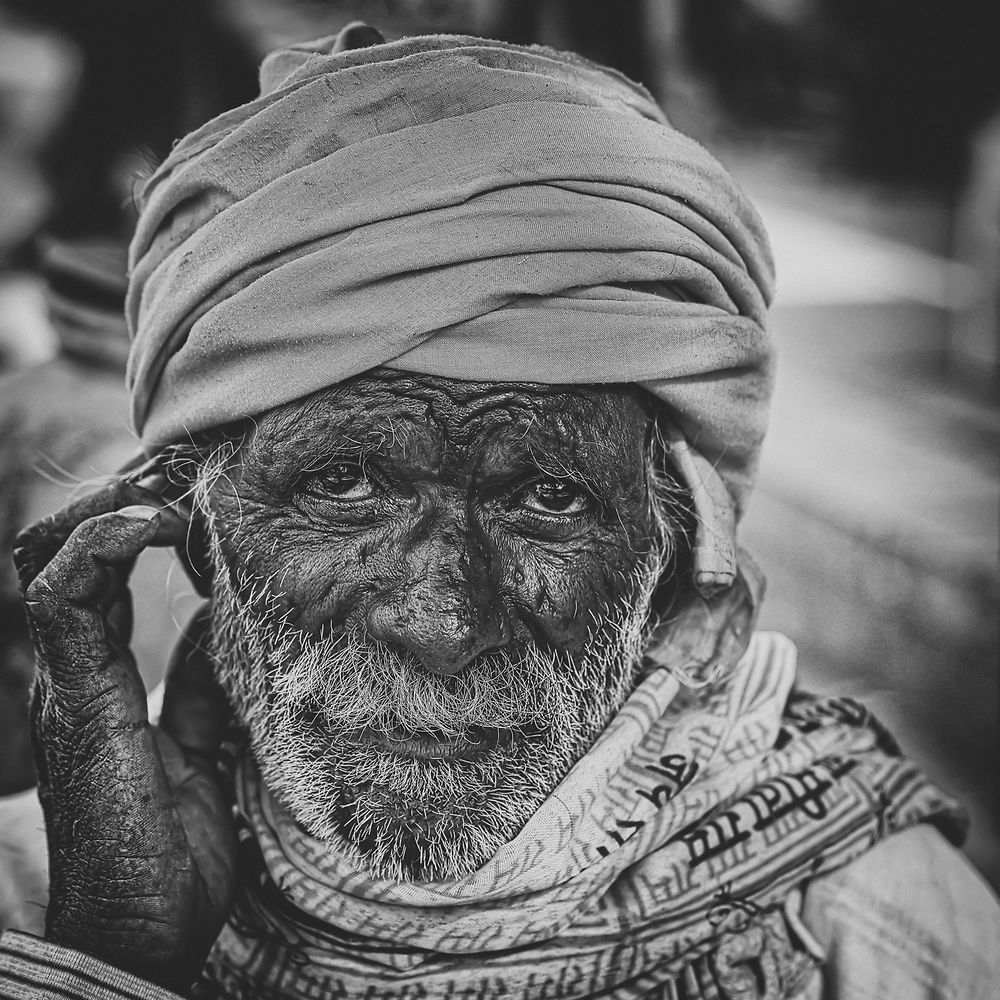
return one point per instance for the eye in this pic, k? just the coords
(553, 496)
(343, 480)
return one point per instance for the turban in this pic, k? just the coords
(457, 207)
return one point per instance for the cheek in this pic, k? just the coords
(557, 592)
(330, 577)
(319, 575)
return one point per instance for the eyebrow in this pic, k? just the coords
(323, 452)
(555, 467)
(564, 463)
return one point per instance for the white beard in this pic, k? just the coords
(304, 701)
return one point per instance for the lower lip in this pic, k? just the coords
(425, 747)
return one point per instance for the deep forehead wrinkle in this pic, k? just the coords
(457, 428)
(554, 428)
(462, 409)
(366, 410)
(326, 423)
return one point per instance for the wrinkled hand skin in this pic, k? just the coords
(141, 849)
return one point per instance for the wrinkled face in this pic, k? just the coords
(430, 598)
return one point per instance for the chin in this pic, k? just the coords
(420, 809)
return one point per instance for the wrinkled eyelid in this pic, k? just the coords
(539, 469)
(358, 458)
(568, 477)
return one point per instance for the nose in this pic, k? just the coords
(445, 610)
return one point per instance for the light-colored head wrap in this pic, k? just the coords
(463, 208)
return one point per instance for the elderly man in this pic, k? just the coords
(450, 360)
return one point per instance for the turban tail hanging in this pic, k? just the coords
(461, 208)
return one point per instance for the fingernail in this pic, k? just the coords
(140, 512)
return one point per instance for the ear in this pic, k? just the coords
(170, 474)
(193, 556)
(182, 469)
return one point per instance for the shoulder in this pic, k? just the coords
(911, 919)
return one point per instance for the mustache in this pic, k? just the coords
(352, 683)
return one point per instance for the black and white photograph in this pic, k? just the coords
(499, 500)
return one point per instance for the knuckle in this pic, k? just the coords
(79, 570)
(33, 547)
(40, 598)
(40, 589)
(86, 519)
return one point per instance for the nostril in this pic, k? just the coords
(444, 644)
(454, 645)
(443, 660)
(444, 627)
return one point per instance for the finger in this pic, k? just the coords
(89, 566)
(120, 615)
(195, 710)
(91, 727)
(78, 606)
(171, 494)
(37, 544)
(177, 490)
(71, 637)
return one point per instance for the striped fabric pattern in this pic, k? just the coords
(33, 969)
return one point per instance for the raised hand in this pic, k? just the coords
(141, 847)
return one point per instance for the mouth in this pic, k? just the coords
(477, 742)
(422, 746)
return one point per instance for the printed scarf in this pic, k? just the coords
(692, 820)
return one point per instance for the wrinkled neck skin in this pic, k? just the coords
(430, 598)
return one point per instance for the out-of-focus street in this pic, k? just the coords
(877, 511)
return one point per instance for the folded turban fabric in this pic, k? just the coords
(458, 207)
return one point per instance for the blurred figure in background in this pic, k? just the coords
(149, 72)
(95, 97)
(127, 78)
(37, 74)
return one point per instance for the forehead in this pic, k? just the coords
(428, 417)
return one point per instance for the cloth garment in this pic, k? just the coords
(908, 919)
(458, 207)
(34, 969)
(676, 840)
(884, 939)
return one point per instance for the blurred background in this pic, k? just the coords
(868, 134)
